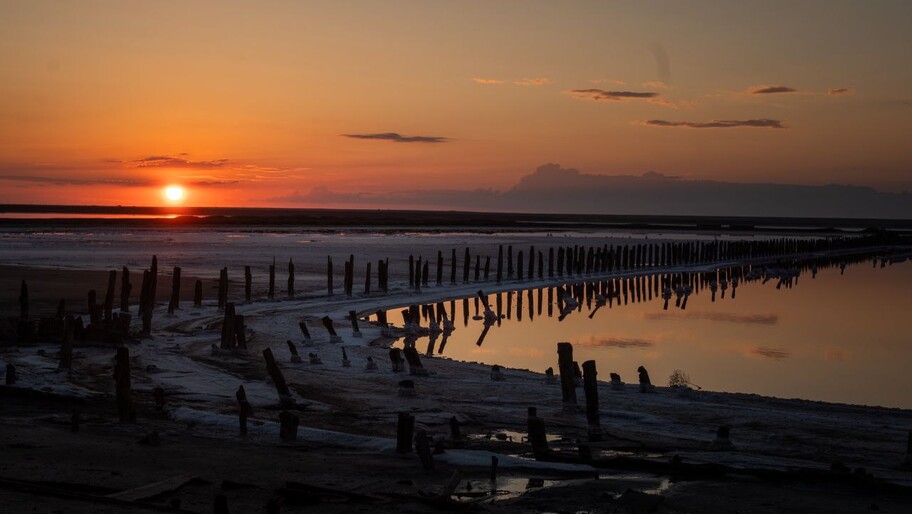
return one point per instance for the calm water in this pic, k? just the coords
(839, 337)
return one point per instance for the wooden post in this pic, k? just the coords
(537, 435)
(424, 273)
(499, 263)
(477, 267)
(306, 333)
(240, 331)
(465, 266)
(590, 385)
(565, 365)
(487, 268)
(551, 262)
(439, 268)
(175, 290)
(123, 386)
(411, 270)
(356, 331)
(531, 262)
(223, 288)
(288, 430)
(198, 293)
(228, 335)
(125, 288)
(328, 324)
(109, 297)
(367, 279)
(453, 268)
(541, 265)
(248, 285)
(285, 398)
(153, 277)
(423, 448)
(494, 462)
(291, 279)
(519, 266)
(510, 261)
(404, 429)
(244, 408)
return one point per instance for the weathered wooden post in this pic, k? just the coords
(240, 332)
(248, 285)
(123, 386)
(645, 384)
(477, 267)
(531, 262)
(174, 302)
(499, 263)
(304, 332)
(291, 279)
(109, 297)
(350, 283)
(367, 279)
(424, 273)
(590, 386)
(551, 262)
(278, 379)
(487, 268)
(228, 335)
(565, 366)
(288, 429)
(414, 362)
(439, 268)
(125, 288)
(356, 331)
(223, 288)
(519, 266)
(405, 427)
(328, 324)
(153, 277)
(510, 261)
(198, 293)
(537, 436)
(465, 266)
(541, 265)
(244, 408)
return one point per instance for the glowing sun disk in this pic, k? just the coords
(174, 193)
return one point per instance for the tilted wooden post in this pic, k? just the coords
(565, 365)
(278, 379)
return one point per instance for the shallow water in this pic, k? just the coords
(838, 337)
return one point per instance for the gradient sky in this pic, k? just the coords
(258, 103)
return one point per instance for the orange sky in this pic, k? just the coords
(105, 102)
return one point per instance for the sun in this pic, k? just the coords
(174, 194)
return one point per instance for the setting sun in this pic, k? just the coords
(174, 193)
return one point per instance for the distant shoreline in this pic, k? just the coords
(155, 217)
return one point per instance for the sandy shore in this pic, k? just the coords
(783, 450)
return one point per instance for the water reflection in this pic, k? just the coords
(795, 329)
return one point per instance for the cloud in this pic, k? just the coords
(655, 84)
(748, 319)
(759, 123)
(486, 82)
(608, 81)
(840, 91)
(615, 342)
(769, 90)
(769, 353)
(540, 81)
(67, 181)
(396, 138)
(601, 94)
(167, 161)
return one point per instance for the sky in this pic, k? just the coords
(351, 103)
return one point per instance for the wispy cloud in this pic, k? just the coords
(750, 319)
(769, 90)
(608, 81)
(615, 342)
(487, 82)
(66, 181)
(718, 124)
(168, 161)
(397, 138)
(841, 91)
(601, 94)
(769, 353)
(655, 84)
(540, 81)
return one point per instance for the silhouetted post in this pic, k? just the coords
(174, 302)
(328, 325)
(288, 429)
(537, 435)
(153, 277)
(531, 262)
(405, 427)
(414, 362)
(477, 267)
(590, 386)
(350, 285)
(367, 278)
(510, 261)
(125, 288)
(291, 279)
(244, 408)
(519, 266)
(465, 266)
(453, 268)
(228, 335)
(223, 288)
(487, 268)
(356, 331)
(541, 265)
(645, 384)
(198, 294)
(418, 274)
(123, 386)
(560, 261)
(551, 262)
(278, 379)
(271, 293)
(565, 366)
(24, 301)
(499, 263)
(329, 275)
(109, 297)
(240, 331)
(248, 285)
(424, 273)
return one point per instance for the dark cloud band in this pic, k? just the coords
(397, 138)
(719, 124)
